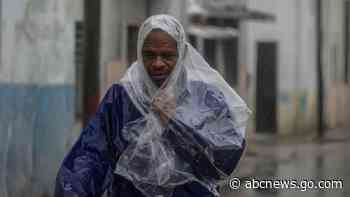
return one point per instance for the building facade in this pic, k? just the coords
(37, 93)
(266, 50)
(298, 66)
(335, 55)
(281, 64)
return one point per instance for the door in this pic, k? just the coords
(230, 49)
(266, 87)
(91, 71)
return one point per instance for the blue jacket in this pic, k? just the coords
(87, 170)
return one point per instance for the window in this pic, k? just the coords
(193, 41)
(132, 43)
(210, 49)
(230, 48)
(219, 50)
(79, 62)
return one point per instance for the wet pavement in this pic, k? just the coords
(303, 162)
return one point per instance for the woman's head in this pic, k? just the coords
(159, 54)
(161, 43)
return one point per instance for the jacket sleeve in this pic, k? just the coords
(86, 170)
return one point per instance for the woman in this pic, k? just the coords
(171, 127)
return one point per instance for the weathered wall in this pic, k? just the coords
(37, 93)
(337, 109)
(294, 31)
(337, 92)
(116, 16)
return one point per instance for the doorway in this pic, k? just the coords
(91, 71)
(266, 87)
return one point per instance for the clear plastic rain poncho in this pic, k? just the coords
(150, 160)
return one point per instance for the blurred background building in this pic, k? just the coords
(37, 86)
(289, 59)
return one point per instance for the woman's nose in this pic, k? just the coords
(158, 62)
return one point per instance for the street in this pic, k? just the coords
(309, 161)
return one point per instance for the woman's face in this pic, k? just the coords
(159, 53)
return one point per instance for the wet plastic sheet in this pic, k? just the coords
(155, 160)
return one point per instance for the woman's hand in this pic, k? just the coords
(165, 106)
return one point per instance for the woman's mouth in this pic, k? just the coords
(159, 77)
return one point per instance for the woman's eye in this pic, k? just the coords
(149, 55)
(165, 56)
(169, 56)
